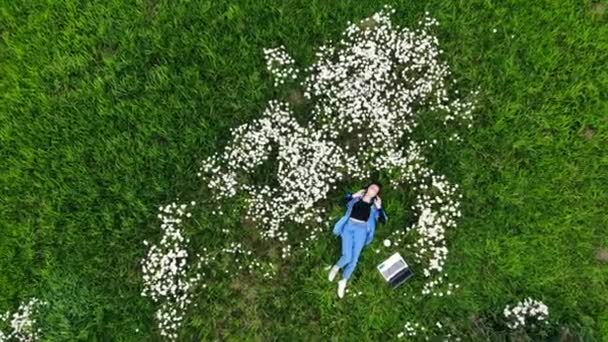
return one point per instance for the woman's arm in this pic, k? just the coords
(369, 237)
(380, 213)
(382, 216)
(350, 195)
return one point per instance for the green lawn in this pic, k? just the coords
(106, 110)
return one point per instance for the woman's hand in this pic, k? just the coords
(360, 193)
(378, 202)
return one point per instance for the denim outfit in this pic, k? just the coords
(355, 234)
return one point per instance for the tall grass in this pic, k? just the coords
(106, 108)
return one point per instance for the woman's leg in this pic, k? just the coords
(347, 246)
(359, 236)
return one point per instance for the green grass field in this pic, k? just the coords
(107, 108)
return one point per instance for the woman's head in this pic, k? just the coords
(373, 189)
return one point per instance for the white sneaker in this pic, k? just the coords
(332, 273)
(341, 288)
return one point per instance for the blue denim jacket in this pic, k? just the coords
(374, 215)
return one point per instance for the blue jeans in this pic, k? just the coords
(353, 240)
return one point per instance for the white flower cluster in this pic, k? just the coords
(367, 92)
(170, 273)
(354, 293)
(280, 64)
(308, 166)
(523, 312)
(167, 277)
(438, 205)
(421, 332)
(21, 322)
(411, 329)
(430, 287)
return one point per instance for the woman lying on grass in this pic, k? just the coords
(356, 229)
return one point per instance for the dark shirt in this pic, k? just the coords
(361, 210)
(383, 217)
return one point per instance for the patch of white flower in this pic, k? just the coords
(368, 92)
(306, 170)
(528, 311)
(431, 287)
(21, 323)
(167, 277)
(170, 273)
(411, 329)
(280, 64)
(418, 332)
(438, 205)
